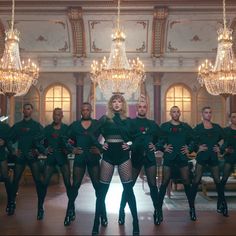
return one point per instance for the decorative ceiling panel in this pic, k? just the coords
(136, 31)
(42, 36)
(190, 35)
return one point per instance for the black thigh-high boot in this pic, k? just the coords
(8, 188)
(221, 201)
(154, 197)
(193, 194)
(12, 199)
(187, 189)
(41, 193)
(104, 220)
(72, 192)
(129, 195)
(101, 196)
(123, 202)
(161, 196)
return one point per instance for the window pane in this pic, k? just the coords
(186, 106)
(57, 104)
(48, 106)
(168, 106)
(170, 93)
(66, 106)
(178, 91)
(181, 97)
(179, 104)
(60, 97)
(65, 93)
(57, 91)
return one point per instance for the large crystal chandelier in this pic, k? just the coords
(220, 79)
(16, 77)
(117, 74)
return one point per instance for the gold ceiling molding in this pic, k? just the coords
(78, 32)
(2, 38)
(158, 30)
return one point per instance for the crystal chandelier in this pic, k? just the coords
(220, 79)
(16, 77)
(117, 74)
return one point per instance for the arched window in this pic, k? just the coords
(179, 95)
(215, 102)
(31, 97)
(57, 96)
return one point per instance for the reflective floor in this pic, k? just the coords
(176, 218)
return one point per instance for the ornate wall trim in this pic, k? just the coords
(78, 31)
(158, 31)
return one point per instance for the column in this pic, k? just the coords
(3, 105)
(11, 110)
(79, 92)
(157, 96)
(232, 103)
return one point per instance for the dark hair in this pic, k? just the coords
(87, 104)
(205, 108)
(28, 104)
(57, 109)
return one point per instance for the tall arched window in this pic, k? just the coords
(31, 97)
(179, 95)
(57, 96)
(215, 102)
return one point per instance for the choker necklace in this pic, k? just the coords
(82, 119)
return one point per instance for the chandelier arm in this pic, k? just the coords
(12, 15)
(224, 15)
(118, 15)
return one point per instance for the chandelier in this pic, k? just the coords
(16, 77)
(118, 74)
(220, 79)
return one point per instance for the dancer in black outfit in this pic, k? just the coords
(145, 133)
(177, 141)
(229, 149)
(86, 156)
(115, 128)
(207, 137)
(4, 146)
(53, 145)
(24, 133)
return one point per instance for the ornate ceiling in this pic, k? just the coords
(172, 35)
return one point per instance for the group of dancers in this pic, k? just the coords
(129, 144)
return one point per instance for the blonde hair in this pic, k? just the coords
(110, 111)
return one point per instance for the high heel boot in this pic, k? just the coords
(135, 227)
(225, 209)
(96, 224)
(192, 214)
(121, 219)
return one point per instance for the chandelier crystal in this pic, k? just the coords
(118, 74)
(16, 77)
(220, 79)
